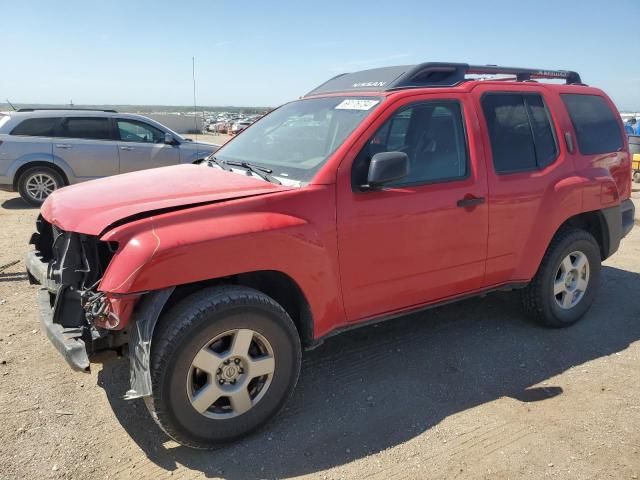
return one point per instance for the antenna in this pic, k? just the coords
(195, 108)
(11, 105)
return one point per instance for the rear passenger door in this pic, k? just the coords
(142, 146)
(87, 146)
(526, 161)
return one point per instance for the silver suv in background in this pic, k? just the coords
(42, 150)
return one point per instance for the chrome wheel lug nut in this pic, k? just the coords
(241, 370)
(226, 362)
(233, 382)
(236, 361)
(221, 381)
(219, 371)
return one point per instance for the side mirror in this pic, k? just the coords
(168, 139)
(386, 167)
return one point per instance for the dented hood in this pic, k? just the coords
(93, 206)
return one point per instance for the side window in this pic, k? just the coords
(543, 134)
(133, 131)
(433, 137)
(520, 131)
(36, 127)
(89, 128)
(596, 126)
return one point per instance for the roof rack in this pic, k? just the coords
(66, 109)
(525, 74)
(431, 74)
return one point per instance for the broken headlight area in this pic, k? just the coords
(105, 310)
(74, 265)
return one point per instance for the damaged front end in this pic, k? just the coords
(78, 319)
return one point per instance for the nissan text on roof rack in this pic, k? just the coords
(431, 185)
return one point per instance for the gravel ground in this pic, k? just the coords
(208, 137)
(470, 390)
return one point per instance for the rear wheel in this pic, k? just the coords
(223, 362)
(37, 183)
(567, 280)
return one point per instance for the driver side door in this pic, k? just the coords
(424, 238)
(142, 146)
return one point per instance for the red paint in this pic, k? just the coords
(355, 256)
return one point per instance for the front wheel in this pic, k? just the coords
(567, 280)
(223, 362)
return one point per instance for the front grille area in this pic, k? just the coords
(75, 264)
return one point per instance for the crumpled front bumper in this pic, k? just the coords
(67, 341)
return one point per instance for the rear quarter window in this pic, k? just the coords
(520, 131)
(36, 127)
(596, 125)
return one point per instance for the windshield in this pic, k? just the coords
(297, 139)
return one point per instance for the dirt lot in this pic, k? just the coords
(470, 390)
(217, 138)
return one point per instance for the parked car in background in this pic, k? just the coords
(43, 150)
(239, 126)
(377, 194)
(219, 127)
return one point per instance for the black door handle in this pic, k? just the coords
(470, 202)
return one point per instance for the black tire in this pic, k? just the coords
(28, 174)
(538, 297)
(181, 334)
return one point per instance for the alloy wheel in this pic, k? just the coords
(571, 280)
(40, 185)
(230, 374)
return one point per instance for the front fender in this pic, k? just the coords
(165, 255)
(160, 252)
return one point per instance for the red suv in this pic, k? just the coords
(379, 193)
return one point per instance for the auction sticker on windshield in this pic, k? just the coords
(356, 104)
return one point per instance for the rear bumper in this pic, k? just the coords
(618, 222)
(67, 341)
(628, 212)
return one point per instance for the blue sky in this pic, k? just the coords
(267, 52)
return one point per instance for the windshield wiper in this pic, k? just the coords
(211, 159)
(262, 172)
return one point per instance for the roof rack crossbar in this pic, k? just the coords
(67, 109)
